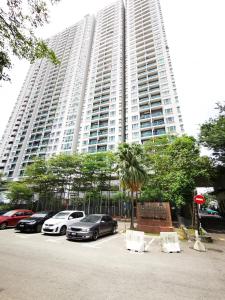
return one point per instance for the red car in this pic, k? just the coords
(12, 217)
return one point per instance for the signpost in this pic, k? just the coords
(198, 199)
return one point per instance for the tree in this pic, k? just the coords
(42, 181)
(19, 193)
(18, 20)
(212, 134)
(176, 168)
(131, 171)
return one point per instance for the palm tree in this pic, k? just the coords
(131, 171)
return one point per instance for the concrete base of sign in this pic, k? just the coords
(135, 241)
(155, 229)
(198, 245)
(169, 242)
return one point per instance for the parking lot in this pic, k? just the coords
(36, 266)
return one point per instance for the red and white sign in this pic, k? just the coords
(199, 199)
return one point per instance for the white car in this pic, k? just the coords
(58, 224)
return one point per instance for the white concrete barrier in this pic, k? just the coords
(135, 241)
(169, 242)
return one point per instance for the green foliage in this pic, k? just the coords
(175, 169)
(19, 192)
(2, 181)
(212, 135)
(64, 177)
(18, 20)
(165, 169)
(131, 170)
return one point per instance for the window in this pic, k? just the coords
(170, 120)
(135, 135)
(135, 126)
(172, 128)
(112, 138)
(77, 214)
(167, 101)
(135, 118)
(134, 108)
(168, 111)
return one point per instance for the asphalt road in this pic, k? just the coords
(35, 266)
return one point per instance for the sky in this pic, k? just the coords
(195, 34)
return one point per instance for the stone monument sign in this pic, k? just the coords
(154, 217)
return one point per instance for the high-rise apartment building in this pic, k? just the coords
(152, 106)
(103, 114)
(46, 116)
(114, 83)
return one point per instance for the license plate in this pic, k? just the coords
(21, 225)
(74, 234)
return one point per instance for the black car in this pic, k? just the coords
(34, 222)
(91, 227)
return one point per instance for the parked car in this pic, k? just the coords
(12, 217)
(34, 223)
(91, 227)
(58, 224)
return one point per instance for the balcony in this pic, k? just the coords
(95, 117)
(104, 108)
(102, 149)
(143, 99)
(146, 133)
(93, 133)
(103, 132)
(143, 91)
(93, 142)
(155, 96)
(103, 116)
(146, 124)
(91, 149)
(102, 141)
(145, 116)
(144, 107)
(105, 124)
(158, 122)
(154, 104)
(160, 131)
(157, 114)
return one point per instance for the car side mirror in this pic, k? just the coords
(70, 218)
(102, 221)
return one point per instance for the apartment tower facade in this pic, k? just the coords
(103, 112)
(46, 117)
(152, 106)
(114, 84)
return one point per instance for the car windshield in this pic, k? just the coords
(39, 215)
(91, 219)
(10, 213)
(61, 215)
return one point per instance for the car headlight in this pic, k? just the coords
(85, 229)
(69, 228)
(32, 223)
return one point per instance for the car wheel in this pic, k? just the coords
(62, 230)
(3, 226)
(39, 228)
(95, 235)
(114, 230)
